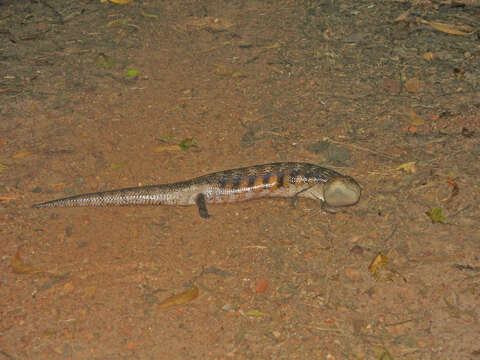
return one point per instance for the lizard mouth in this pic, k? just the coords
(342, 192)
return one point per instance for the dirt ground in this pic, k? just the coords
(97, 96)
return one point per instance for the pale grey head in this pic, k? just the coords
(343, 191)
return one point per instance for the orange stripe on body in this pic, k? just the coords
(258, 184)
(272, 182)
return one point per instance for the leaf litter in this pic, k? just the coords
(184, 145)
(183, 298)
(435, 214)
(21, 267)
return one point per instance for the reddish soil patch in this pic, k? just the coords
(96, 96)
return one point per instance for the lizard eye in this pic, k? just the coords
(342, 192)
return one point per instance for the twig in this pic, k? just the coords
(358, 147)
(7, 355)
(391, 234)
(326, 329)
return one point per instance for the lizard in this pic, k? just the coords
(281, 179)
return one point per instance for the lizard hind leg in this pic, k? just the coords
(202, 206)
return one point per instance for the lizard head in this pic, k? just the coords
(341, 191)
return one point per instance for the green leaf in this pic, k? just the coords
(116, 165)
(186, 143)
(131, 73)
(254, 313)
(436, 215)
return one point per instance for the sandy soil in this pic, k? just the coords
(95, 96)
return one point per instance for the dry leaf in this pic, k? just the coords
(429, 56)
(20, 267)
(8, 198)
(121, 2)
(403, 16)
(408, 167)
(453, 184)
(167, 148)
(183, 298)
(449, 28)
(412, 129)
(377, 263)
(21, 154)
(222, 71)
(275, 45)
(379, 270)
(455, 190)
(413, 85)
(415, 119)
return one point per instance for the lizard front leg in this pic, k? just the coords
(202, 206)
